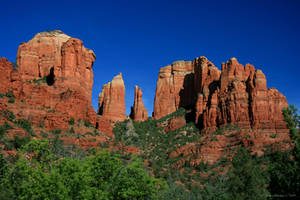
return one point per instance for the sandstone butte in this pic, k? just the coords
(236, 95)
(53, 81)
(112, 100)
(138, 111)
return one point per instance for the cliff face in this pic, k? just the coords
(174, 89)
(235, 100)
(112, 100)
(55, 53)
(138, 110)
(236, 95)
(53, 80)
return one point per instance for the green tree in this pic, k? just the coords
(247, 179)
(284, 167)
(132, 182)
(39, 174)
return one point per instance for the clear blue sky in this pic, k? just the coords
(138, 37)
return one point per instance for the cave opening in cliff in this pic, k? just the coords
(50, 78)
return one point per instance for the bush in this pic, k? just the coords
(56, 132)
(247, 179)
(4, 128)
(178, 113)
(71, 121)
(99, 176)
(8, 115)
(42, 124)
(25, 124)
(39, 81)
(11, 100)
(16, 143)
(88, 124)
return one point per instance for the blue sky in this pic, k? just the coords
(137, 38)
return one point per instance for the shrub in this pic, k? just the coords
(88, 124)
(71, 121)
(247, 178)
(10, 94)
(56, 131)
(39, 81)
(8, 115)
(89, 133)
(178, 113)
(42, 125)
(25, 124)
(2, 131)
(51, 111)
(6, 126)
(11, 100)
(17, 142)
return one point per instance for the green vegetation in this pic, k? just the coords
(87, 124)
(181, 112)
(11, 100)
(25, 124)
(101, 175)
(49, 169)
(39, 81)
(15, 65)
(4, 128)
(71, 121)
(51, 111)
(9, 94)
(42, 124)
(10, 116)
(246, 176)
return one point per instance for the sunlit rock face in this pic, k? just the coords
(53, 78)
(174, 88)
(236, 94)
(138, 111)
(112, 100)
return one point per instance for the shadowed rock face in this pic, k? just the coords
(112, 100)
(174, 89)
(138, 111)
(54, 80)
(235, 95)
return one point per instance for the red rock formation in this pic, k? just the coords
(205, 83)
(138, 111)
(53, 80)
(6, 69)
(244, 99)
(175, 123)
(175, 87)
(112, 100)
(236, 95)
